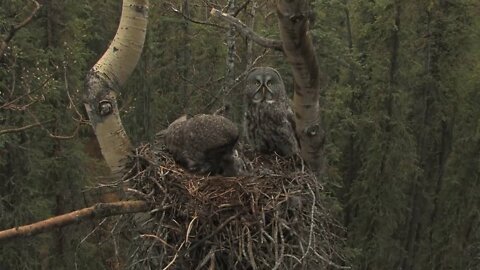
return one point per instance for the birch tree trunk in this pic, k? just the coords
(229, 63)
(248, 41)
(108, 75)
(293, 22)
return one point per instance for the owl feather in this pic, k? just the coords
(268, 118)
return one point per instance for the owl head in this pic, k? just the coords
(264, 85)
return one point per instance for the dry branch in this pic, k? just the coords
(247, 31)
(99, 210)
(188, 18)
(14, 130)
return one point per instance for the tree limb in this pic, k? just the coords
(193, 20)
(14, 130)
(247, 31)
(99, 210)
(242, 7)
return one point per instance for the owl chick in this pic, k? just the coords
(204, 144)
(268, 120)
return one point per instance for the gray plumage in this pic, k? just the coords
(204, 143)
(268, 121)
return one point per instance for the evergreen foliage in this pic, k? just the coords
(401, 110)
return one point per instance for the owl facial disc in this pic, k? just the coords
(263, 92)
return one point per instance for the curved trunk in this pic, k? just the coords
(108, 75)
(293, 20)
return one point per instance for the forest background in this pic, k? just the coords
(401, 111)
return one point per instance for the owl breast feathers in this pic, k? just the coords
(268, 119)
(204, 143)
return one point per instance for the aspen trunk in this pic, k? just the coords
(108, 75)
(298, 48)
(229, 64)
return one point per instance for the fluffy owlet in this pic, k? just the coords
(204, 143)
(269, 122)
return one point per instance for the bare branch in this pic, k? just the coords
(58, 137)
(247, 31)
(238, 80)
(13, 130)
(242, 7)
(10, 105)
(176, 10)
(99, 210)
(15, 28)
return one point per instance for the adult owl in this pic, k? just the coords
(204, 144)
(268, 121)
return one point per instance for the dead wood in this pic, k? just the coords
(99, 210)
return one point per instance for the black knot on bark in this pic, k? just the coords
(312, 130)
(297, 18)
(141, 9)
(105, 107)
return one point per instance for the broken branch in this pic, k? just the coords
(247, 31)
(99, 210)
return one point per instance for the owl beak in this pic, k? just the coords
(261, 94)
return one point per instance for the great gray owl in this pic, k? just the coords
(268, 120)
(204, 143)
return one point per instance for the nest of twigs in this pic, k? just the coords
(276, 217)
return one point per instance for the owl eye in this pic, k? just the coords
(269, 83)
(257, 83)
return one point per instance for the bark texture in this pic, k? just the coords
(99, 210)
(108, 75)
(293, 20)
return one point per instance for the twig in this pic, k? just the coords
(330, 263)
(15, 28)
(238, 80)
(53, 136)
(174, 257)
(219, 228)
(70, 100)
(9, 105)
(85, 239)
(13, 130)
(247, 31)
(158, 239)
(240, 8)
(79, 121)
(208, 258)
(250, 250)
(312, 222)
(195, 21)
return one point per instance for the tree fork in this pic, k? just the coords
(99, 210)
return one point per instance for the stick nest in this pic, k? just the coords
(276, 217)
